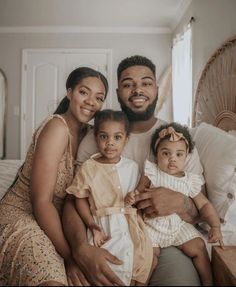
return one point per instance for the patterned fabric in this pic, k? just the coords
(170, 230)
(105, 185)
(27, 256)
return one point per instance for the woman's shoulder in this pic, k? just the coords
(53, 127)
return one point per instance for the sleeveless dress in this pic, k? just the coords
(27, 255)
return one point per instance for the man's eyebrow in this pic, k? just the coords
(143, 78)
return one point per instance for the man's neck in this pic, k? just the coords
(143, 126)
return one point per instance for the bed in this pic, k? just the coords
(214, 133)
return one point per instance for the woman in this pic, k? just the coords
(33, 248)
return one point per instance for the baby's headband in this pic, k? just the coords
(174, 136)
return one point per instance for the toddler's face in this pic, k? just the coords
(111, 139)
(171, 156)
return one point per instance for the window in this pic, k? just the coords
(182, 77)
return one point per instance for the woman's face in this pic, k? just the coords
(86, 98)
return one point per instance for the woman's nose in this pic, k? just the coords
(89, 100)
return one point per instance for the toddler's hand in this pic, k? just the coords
(215, 235)
(99, 236)
(130, 198)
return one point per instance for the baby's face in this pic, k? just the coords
(171, 156)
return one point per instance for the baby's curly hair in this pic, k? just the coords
(179, 129)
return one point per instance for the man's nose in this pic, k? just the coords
(137, 89)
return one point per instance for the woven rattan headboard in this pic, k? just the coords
(215, 99)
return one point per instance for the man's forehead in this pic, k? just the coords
(137, 72)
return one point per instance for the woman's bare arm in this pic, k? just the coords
(50, 147)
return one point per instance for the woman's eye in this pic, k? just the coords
(100, 99)
(83, 92)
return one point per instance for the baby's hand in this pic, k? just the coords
(99, 236)
(130, 198)
(215, 235)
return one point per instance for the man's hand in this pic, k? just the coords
(74, 276)
(93, 263)
(159, 202)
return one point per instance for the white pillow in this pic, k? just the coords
(217, 151)
(8, 170)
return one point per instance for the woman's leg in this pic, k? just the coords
(174, 269)
(51, 283)
(196, 250)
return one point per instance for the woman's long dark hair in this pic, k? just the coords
(73, 80)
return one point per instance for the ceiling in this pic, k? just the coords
(139, 14)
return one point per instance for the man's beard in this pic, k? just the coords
(138, 116)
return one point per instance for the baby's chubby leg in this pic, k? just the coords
(197, 251)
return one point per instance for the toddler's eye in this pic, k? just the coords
(118, 137)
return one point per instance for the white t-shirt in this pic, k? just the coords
(138, 149)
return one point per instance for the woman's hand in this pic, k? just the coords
(92, 261)
(74, 276)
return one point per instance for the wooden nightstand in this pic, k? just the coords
(224, 265)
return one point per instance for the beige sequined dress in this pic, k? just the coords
(27, 256)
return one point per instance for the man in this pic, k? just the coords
(137, 94)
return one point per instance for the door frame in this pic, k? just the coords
(26, 52)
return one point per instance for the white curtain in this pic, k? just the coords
(182, 77)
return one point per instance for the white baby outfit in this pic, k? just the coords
(170, 230)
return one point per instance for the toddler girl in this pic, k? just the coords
(100, 186)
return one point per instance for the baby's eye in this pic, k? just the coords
(180, 154)
(165, 153)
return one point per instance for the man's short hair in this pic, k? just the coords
(136, 60)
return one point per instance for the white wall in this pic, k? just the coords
(155, 46)
(215, 23)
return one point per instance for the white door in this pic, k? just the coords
(44, 74)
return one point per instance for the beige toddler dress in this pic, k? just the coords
(105, 186)
(27, 255)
